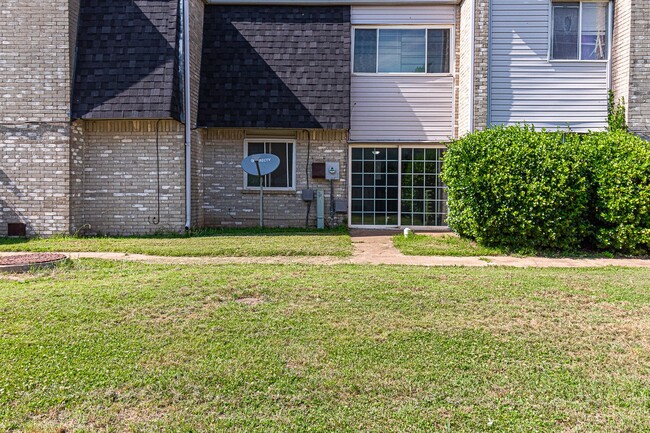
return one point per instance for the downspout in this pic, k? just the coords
(471, 69)
(188, 115)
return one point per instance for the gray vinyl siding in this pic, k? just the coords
(395, 107)
(526, 87)
(403, 15)
(402, 108)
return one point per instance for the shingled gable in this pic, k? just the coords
(127, 60)
(275, 67)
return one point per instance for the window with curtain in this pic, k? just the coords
(394, 50)
(580, 31)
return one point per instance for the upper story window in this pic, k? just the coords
(401, 50)
(580, 31)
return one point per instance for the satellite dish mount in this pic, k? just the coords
(260, 165)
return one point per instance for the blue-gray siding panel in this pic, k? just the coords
(526, 87)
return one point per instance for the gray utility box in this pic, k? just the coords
(332, 171)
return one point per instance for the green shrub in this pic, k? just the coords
(621, 176)
(518, 188)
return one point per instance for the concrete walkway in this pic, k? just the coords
(372, 247)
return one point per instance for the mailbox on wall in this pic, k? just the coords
(332, 171)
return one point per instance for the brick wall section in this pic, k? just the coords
(114, 177)
(34, 115)
(34, 178)
(639, 99)
(197, 9)
(621, 50)
(481, 49)
(464, 67)
(226, 203)
(34, 61)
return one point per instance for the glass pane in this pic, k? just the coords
(365, 50)
(594, 31)
(423, 198)
(376, 184)
(402, 50)
(278, 179)
(282, 177)
(254, 148)
(438, 51)
(565, 31)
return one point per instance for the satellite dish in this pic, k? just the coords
(266, 163)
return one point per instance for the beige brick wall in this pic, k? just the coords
(196, 45)
(464, 67)
(34, 61)
(34, 178)
(481, 35)
(639, 84)
(114, 177)
(34, 115)
(226, 203)
(621, 49)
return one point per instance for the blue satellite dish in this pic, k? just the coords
(266, 162)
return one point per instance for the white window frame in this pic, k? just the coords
(399, 147)
(452, 49)
(551, 23)
(293, 168)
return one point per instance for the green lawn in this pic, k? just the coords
(441, 245)
(236, 243)
(113, 347)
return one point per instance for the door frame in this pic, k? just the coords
(399, 147)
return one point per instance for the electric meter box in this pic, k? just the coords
(332, 171)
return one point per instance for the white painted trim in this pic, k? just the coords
(399, 147)
(271, 140)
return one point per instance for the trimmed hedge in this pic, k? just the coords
(517, 188)
(621, 173)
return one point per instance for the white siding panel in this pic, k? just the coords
(403, 14)
(526, 87)
(401, 108)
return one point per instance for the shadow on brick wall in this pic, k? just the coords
(8, 212)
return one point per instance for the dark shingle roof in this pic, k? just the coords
(275, 67)
(127, 60)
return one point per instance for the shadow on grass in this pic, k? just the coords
(453, 245)
(199, 233)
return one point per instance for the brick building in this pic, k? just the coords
(133, 116)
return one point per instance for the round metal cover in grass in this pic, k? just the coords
(27, 262)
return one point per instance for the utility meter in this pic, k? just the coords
(332, 171)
